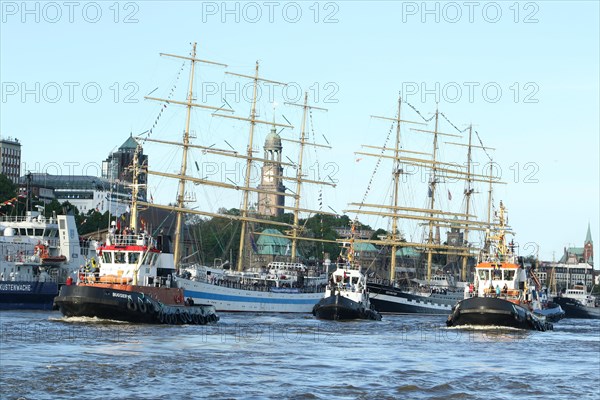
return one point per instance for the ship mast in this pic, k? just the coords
(186, 142)
(299, 174)
(250, 156)
(396, 171)
(432, 194)
(299, 179)
(182, 177)
(244, 210)
(468, 193)
(189, 103)
(133, 218)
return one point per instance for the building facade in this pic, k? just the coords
(117, 166)
(85, 192)
(585, 254)
(10, 158)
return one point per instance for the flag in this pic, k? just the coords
(429, 192)
(151, 198)
(449, 195)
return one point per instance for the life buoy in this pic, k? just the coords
(142, 306)
(178, 298)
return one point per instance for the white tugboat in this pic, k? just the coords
(346, 296)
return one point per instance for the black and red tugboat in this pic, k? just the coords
(503, 294)
(132, 281)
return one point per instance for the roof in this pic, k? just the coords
(588, 237)
(67, 181)
(578, 251)
(407, 252)
(272, 245)
(365, 247)
(273, 141)
(130, 143)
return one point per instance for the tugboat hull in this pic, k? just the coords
(127, 306)
(492, 311)
(341, 308)
(574, 309)
(389, 299)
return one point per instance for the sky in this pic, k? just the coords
(525, 74)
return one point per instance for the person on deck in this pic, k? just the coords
(497, 290)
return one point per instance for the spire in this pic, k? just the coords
(588, 236)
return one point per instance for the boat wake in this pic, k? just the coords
(485, 328)
(87, 320)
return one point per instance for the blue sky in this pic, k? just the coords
(525, 74)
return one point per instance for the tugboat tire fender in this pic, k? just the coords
(142, 306)
(131, 306)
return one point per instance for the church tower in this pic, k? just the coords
(271, 178)
(588, 247)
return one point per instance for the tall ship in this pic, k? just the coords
(132, 279)
(437, 290)
(38, 255)
(503, 293)
(239, 285)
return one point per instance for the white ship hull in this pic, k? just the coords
(241, 300)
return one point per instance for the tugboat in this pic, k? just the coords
(132, 281)
(577, 303)
(346, 296)
(502, 293)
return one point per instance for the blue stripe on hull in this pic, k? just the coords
(246, 299)
(23, 295)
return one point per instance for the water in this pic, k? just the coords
(256, 356)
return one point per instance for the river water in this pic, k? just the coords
(256, 356)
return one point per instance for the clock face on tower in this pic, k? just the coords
(453, 241)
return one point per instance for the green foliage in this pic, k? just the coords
(92, 222)
(8, 189)
(377, 233)
(216, 237)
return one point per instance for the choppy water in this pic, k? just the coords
(256, 356)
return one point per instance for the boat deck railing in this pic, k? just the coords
(27, 218)
(128, 240)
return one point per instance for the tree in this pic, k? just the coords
(8, 189)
